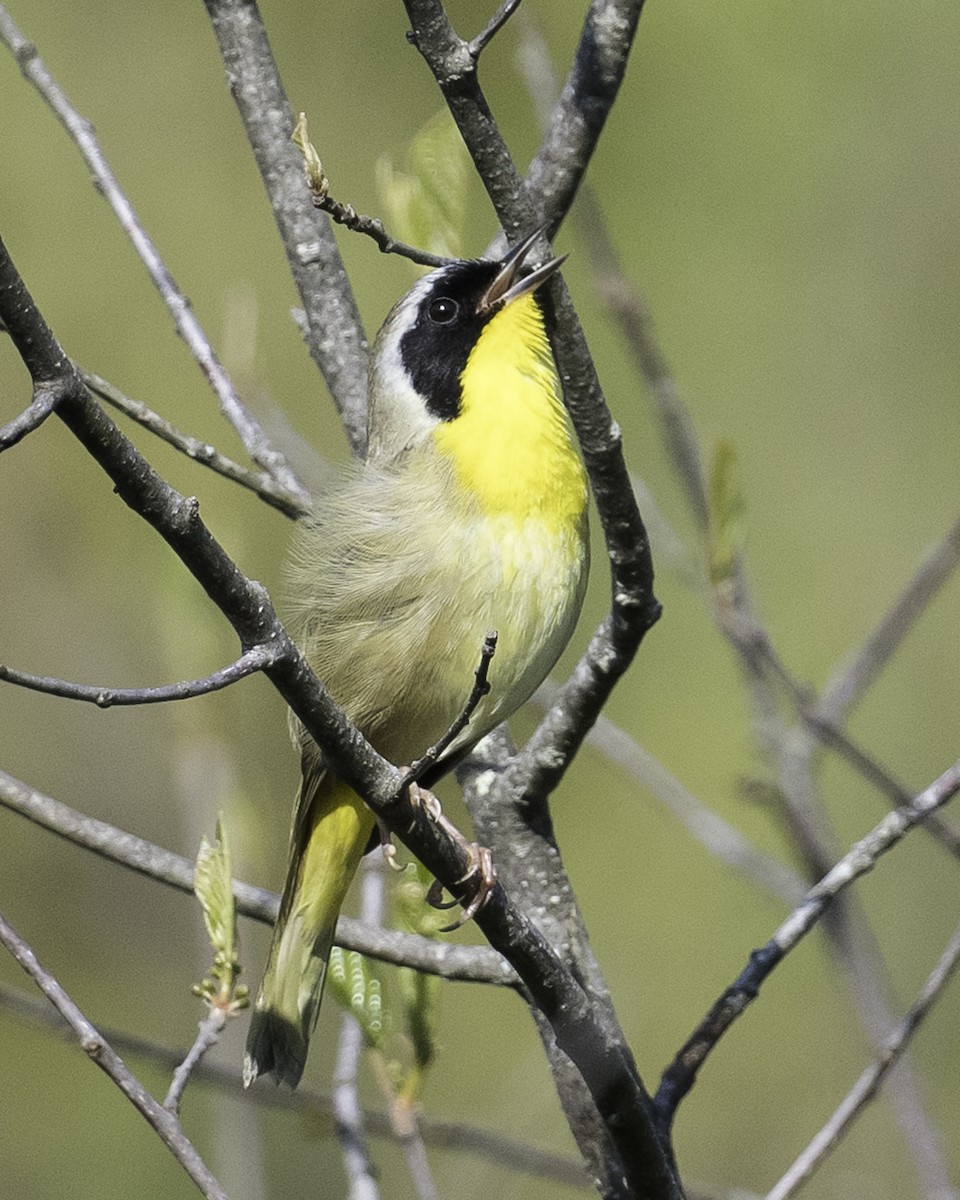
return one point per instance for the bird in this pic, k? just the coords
(468, 515)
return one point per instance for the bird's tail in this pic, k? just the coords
(331, 831)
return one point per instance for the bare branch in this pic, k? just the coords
(256, 659)
(627, 1150)
(32, 417)
(100, 1052)
(333, 329)
(483, 39)
(420, 770)
(868, 1085)
(266, 487)
(861, 858)
(188, 327)
(473, 964)
(207, 1037)
(453, 1136)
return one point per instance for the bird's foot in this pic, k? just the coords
(424, 799)
(387, 848)
(481, 868)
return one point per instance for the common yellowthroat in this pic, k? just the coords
(469, 515)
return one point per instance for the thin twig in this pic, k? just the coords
(373, 228)
(32, 417)
(80, 130)
(207, 1037)
(345, 214)
(420, 769)
(868, 1085)
(451, 1136)
(477, 45)
(474, 964)
(100, 1052)
(254, 660)
(862, 857)
(263, 484)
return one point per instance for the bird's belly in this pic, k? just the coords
(525, 579)
(404, 672)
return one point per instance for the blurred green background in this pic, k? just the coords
(782, 182)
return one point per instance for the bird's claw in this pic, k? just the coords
(424, 799)
(387, 847)
(481, 866)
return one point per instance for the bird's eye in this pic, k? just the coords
(443, 310)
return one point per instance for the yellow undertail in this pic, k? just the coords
(331, 831)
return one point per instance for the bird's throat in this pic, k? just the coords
(511, 445)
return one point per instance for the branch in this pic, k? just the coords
(333, 329)
(266, 487)
(803, 815)
(634, 607)
(623, 1147)
(488, 1146)
(624, 301)
(207, 1037)
(256, 659)
(868, 1085)
(496, 23)
(605, 1064)
(471, 964)
(345, 214)
(32, 417)
(862, 857)
(100, 1052)
(254, 439)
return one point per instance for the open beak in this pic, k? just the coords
(507, 287)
